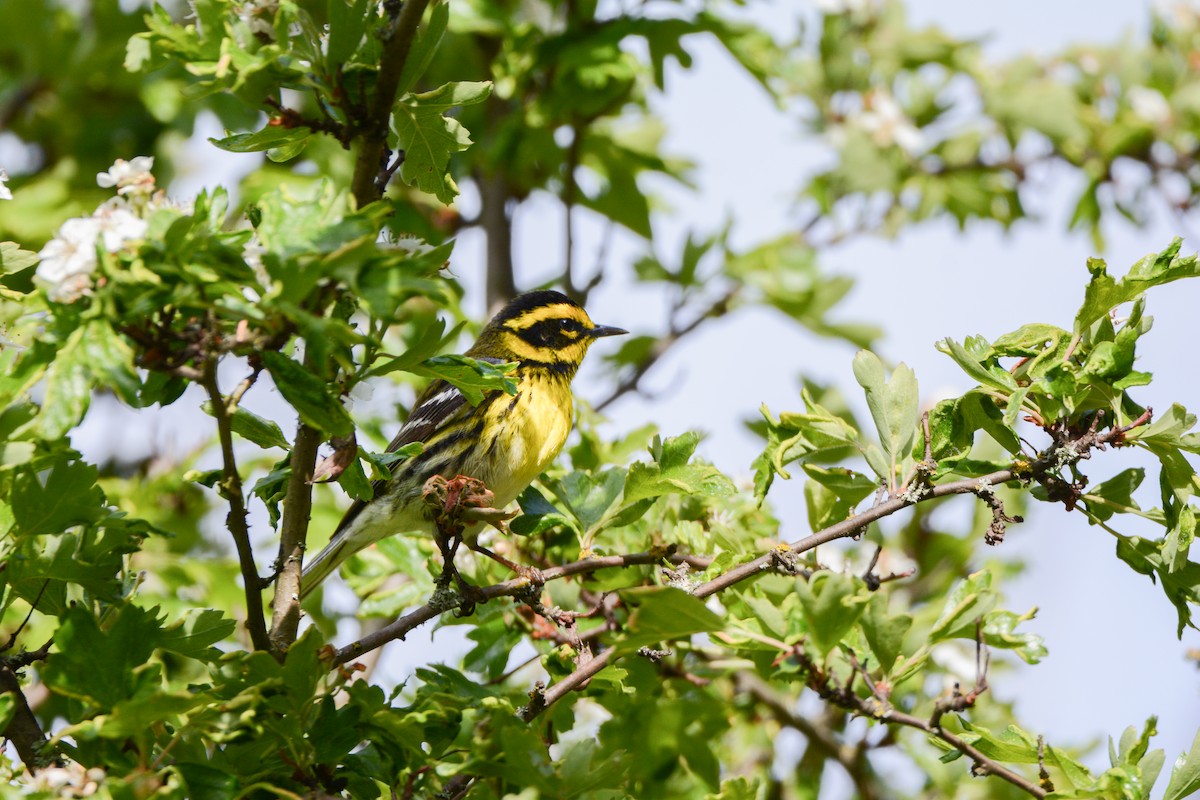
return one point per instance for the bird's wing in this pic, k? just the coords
(437, 405)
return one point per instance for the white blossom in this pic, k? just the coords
(71, 252)
(259, 16)
(129, 176)
(1150, 105)
(252, 253)
(119, 225)
(5, 192)
(887, 123)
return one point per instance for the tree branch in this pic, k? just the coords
(517, 587)
(1065, 450)
(293, 535)
(231, 489)
(372, 150)
(23, 729)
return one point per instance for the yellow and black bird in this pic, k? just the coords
(505, 441)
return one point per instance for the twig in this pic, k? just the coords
(235, 520)
(293, 534)
(510, 588)
(12, 640)
(372, 150)
(23, 729)
(842, 696)
(1063, 450)
(717, 308)
(852, 759)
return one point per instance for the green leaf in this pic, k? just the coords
(424, 47)
(14, 259)
(205, 783)
(67, 496)
(1103, 294)
(672, 474)
(1181, 585)
(833, 492)
(969, 600)
(832, 604)
(195, 633)
(664, 613)
(253, 428)
(347, 24)
(308, 394)
(428, 138)
(893, 405)
(974, 367)
(102, 666)
(538, 514)
(269, 138)
(471, 376)
(884, 632)
(999, 630)
(1185, 774)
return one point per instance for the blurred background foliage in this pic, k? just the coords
(153, 686)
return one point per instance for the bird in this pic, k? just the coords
(505, 441)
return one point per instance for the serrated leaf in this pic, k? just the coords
(308, 394)
(661, 614)
(195, 633)
(428, 138)
(67, 496)
(672, 474)
(472, 377)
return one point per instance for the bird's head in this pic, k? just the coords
(542, 329)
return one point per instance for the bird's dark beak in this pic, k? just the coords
(605, 330)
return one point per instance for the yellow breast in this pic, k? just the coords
(535, 424)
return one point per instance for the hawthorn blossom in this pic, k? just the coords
(259, 16)
(5, 192)
(119, 225)
(69, 259)
(129, 176)
(1150, 105)
(887, 123)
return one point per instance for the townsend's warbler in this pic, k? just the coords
(506, 441)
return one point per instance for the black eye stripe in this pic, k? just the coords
(552, 333)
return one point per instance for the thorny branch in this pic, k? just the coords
(877, 707)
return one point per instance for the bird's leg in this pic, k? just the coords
(448, 545)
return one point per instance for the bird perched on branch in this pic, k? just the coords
(505, 441)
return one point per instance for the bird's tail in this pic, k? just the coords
(329, 559)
